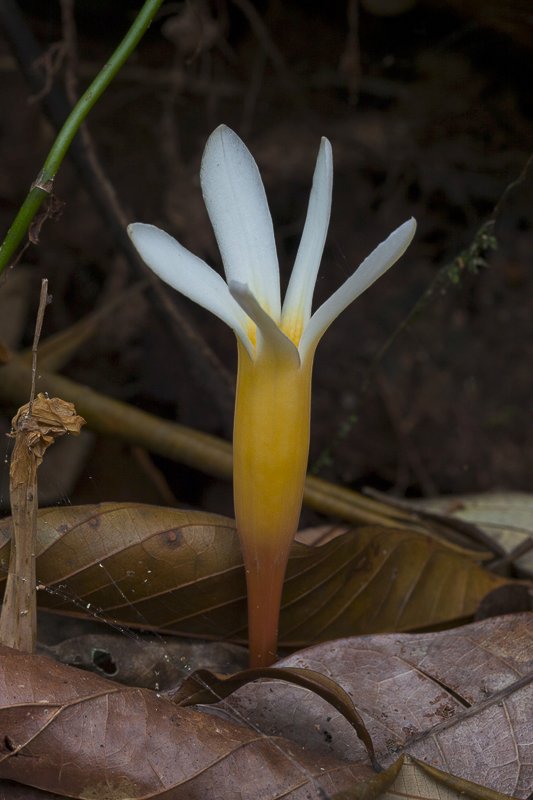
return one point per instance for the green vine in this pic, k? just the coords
(43, 184)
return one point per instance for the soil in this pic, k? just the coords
(429, 113)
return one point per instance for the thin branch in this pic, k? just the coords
(43, 302)
(206, 367)
(42, 186)
(212, 455)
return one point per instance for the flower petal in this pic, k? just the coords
(237, 205)
(372, 268)
(189, 275)
(269, 334)
(299, 296)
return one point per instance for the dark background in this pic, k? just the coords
(429, 112)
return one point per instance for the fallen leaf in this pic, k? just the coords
(461, 700)
(419, 781)
(205, 687)
(506, 517)
(86, 737)
(181, 572)
(151, 662)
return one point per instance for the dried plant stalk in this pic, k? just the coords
(36, 426)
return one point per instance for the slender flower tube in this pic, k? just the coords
(276, 346)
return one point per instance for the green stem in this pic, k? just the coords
(42, 186)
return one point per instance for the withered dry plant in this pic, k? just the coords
(36, 426)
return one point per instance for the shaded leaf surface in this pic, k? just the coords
(151, 662)
(181, 572)
(85, 737)
(506, 517)
(461, 700)
(10, 790)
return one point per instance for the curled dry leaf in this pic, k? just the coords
(461, 700)
(206, 687)
(44, 420)
(181, 572)
(419, 781)
(86, 737)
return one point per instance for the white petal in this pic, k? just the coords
(236, 202)
(188, 274)
(372, 268)
(269, 334)
(299, 297)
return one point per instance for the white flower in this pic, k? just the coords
(236, 202)
(276, 345)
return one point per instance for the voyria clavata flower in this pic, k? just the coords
(276, 345)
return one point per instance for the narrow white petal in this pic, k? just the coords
(372, 268)
(269, 334)
(237, 205)
(188, 274)
(299, 297)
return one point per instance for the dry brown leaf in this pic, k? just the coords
(44, 420)
(73, 733)
(181, 572)
(153, 662)
(419, 781)
(205, 687)
(85, 737)
(461, 700)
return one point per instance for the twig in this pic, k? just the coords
(470, 530)
(88, 151)
(524, 548)
(51, 61)
(252, 92)
(59, 348)
(68, 25)
(204, 452)
(43, 302)
(36, 425)
(350, 62)
(154, 475)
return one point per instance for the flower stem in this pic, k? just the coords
(42, 186)
(264, 582)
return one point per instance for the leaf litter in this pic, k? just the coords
(461, 696)
(459, 699)
(180, 572)
(415, 694)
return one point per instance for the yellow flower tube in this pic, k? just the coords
(270, 449)
(276, 346)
